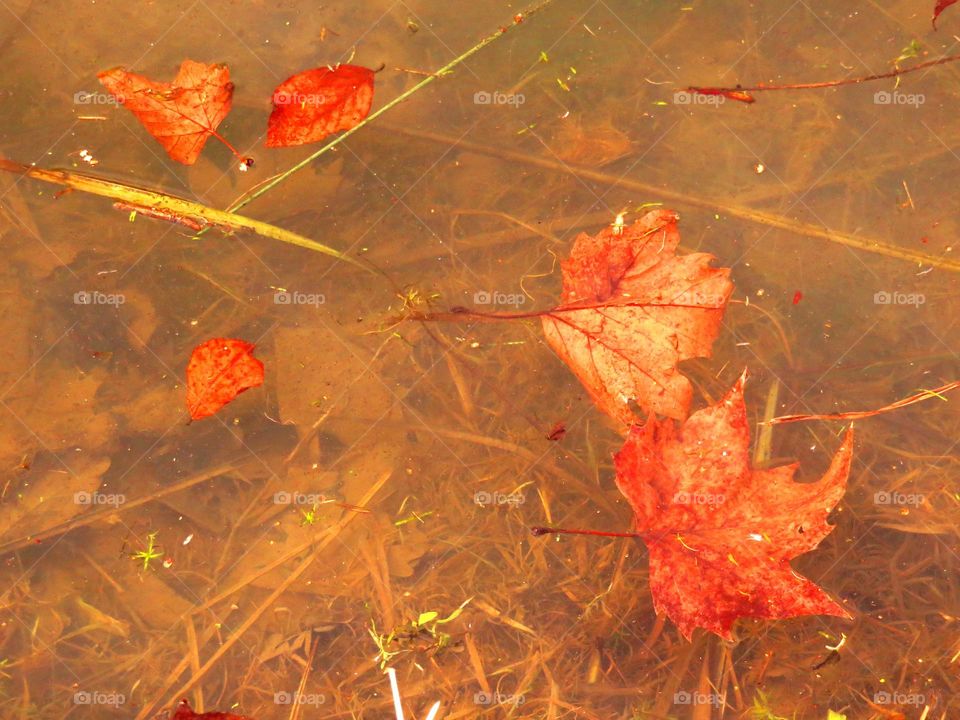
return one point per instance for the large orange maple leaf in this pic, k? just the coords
(721, 534)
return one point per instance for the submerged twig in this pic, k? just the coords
(742, 94)
(859, 415)
(714, 205)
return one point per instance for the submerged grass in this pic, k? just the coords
(442, 433)
(554, 627)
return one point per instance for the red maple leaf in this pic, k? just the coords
(218, 371)
(720, 534)
(181, 114)
(313, 104)
(185, 712)
(631, 310)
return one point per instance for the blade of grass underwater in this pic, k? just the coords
(176, 207)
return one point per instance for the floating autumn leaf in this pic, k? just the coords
(313, 104)
(218, 371)
(632, 310)
(940, 7)
(721, 534)
(185, 712)
(181, 114)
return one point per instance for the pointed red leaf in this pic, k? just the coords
(313, 104)
(632, 310)
(185, 712)
(218, 371)
(940, 7)
(181, 114)
(720, 533)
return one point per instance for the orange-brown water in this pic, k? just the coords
(260, 588)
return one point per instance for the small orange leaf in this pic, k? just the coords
(181, 114)
(313, 104)
(218, 371)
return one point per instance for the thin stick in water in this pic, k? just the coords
(538, 530)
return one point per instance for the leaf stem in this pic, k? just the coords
(226, 142)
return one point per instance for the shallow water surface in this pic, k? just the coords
(369, 506)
